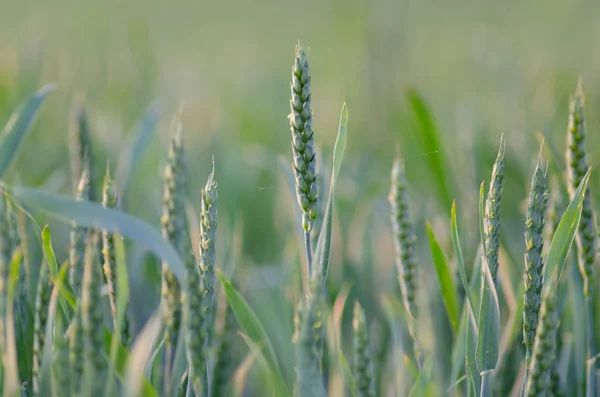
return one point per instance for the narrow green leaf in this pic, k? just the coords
(442, 268)
(122, 300)
(433, 146)
(488, 340)
(482, 216)
(120, 358)
(45, 389)
(275, 380)
(461, 265)
(254, 330)
(11, 372)
(136, 145)
(52, 263)
(142, 348)
(18, 125)
(322, 253)
(96, 216)
(564, 236)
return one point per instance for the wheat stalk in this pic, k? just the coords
(44, 294)
(174, 229)
(303, 146)
(81, 147)
(404, 238)
(586, 238)
(534, 243)
(110, 200)
(61, 366)
(363, 371)
(544, 349)
(222, 367)
(492, 213)
(5, 257)
(308, 338)
(78, 236)
(92, 318)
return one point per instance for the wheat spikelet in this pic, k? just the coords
(44, 293)
(303, 145)
(404, 238)
(110, 200)
(363, 371)
(492, 213)
(92, 319)
(534, 243)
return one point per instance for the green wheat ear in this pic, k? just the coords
(61, 366)
(5, 257)
(586, 238)
(404, 238)
(110, 200)
(308, 339)
(544, 350)
(577, 166)
(534, 244)
(44, 294)
(363, 371)
(208, 238)
(492, 213)
(78, 237)
(92, 319)
(174, 229)
(222, 369)
(303, 145)
(81, 146)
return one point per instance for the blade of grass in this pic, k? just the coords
(461, 265)
(323, 251)
(433, 146)
(94, 215)
(564, 235)
(45, 389)
(142, 348)
(11, 372)
(442, 268)
(18, 125)
(255, 332)
(136, 145)
(276, 382)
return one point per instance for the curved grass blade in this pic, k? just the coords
(142, 348)
(488, 338)
(255, 332)
(11, 371)
(122, 301)
(136, 145)
(45, 368)
(432, 144)
(96, 216)
(52, 263)
(461, 264)
(564, 236)
(59, 278)
(18, 125)
(442, 268)
(322, 253)
(276, 382)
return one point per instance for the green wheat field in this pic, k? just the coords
(329, 198)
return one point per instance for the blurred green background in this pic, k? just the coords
(480, 69)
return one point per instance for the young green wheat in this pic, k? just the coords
(534, 244)
(303, 146)
(363, 371)
(492, 213)
(92, 319)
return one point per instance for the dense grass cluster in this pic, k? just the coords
(74, 334)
